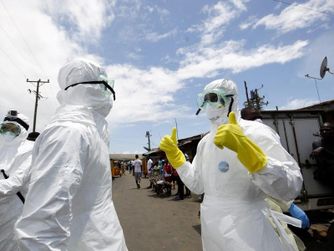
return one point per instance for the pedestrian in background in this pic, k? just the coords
(137, 165)
(149, 166)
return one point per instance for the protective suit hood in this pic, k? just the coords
(81, 115)
(227, 90)
(92, 96)
(24, 125)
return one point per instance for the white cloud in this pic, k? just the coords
(89, 17)
(233, 56)
(298, 103)
(134, 55)
(209, 56)
(161, 12)
(144, 95)
(248, 23)
(129, 9)
(138, 21)
(155, 37)
(135, 11)
(298, 16)
(219, 16)
(240, 4)
(315, 54)
(33, 47)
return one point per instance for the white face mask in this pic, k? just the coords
(103, 109)
(213, 113)
(7, 137)
(216, 115)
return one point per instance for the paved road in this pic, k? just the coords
(153, 223)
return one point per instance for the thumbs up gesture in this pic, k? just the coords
(168, 144)
(230, 135)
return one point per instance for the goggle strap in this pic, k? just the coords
(94, 82)
(17, 120)
(231, 103)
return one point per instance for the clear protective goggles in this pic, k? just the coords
(216, 98)
(10, 127)
(108, 84)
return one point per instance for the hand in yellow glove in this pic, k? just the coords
(231, 136)
(168, 144)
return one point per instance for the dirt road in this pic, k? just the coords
(153, 223)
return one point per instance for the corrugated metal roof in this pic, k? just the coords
(124, 156)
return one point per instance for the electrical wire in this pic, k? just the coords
(12, 43)
(3, 74)
(16, 50)
(15, 65)
(22, 37)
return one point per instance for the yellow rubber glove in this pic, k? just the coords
(231, 136)
(168, 144)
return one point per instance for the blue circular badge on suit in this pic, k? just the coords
(223, 166)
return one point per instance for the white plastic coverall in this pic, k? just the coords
(69, 203)
(15, 159)
(233, 211)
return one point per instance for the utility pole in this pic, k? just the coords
(148, 135)
(247, 97)
(38, 96)
(255, 100)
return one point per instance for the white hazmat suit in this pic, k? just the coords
(69, 203)
(15, 160)
(234, 215)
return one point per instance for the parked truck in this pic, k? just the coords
(298, 129)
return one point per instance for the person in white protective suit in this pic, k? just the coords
(69, 202)
(237, 165)
(15, 160)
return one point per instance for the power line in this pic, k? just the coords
(288, 3)
(16, 49)
(315, 84)
(16, 66)
(3, 74)
(12, 43)
(22, 37)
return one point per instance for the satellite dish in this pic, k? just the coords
(324, 68)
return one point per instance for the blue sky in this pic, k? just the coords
(162, 53)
